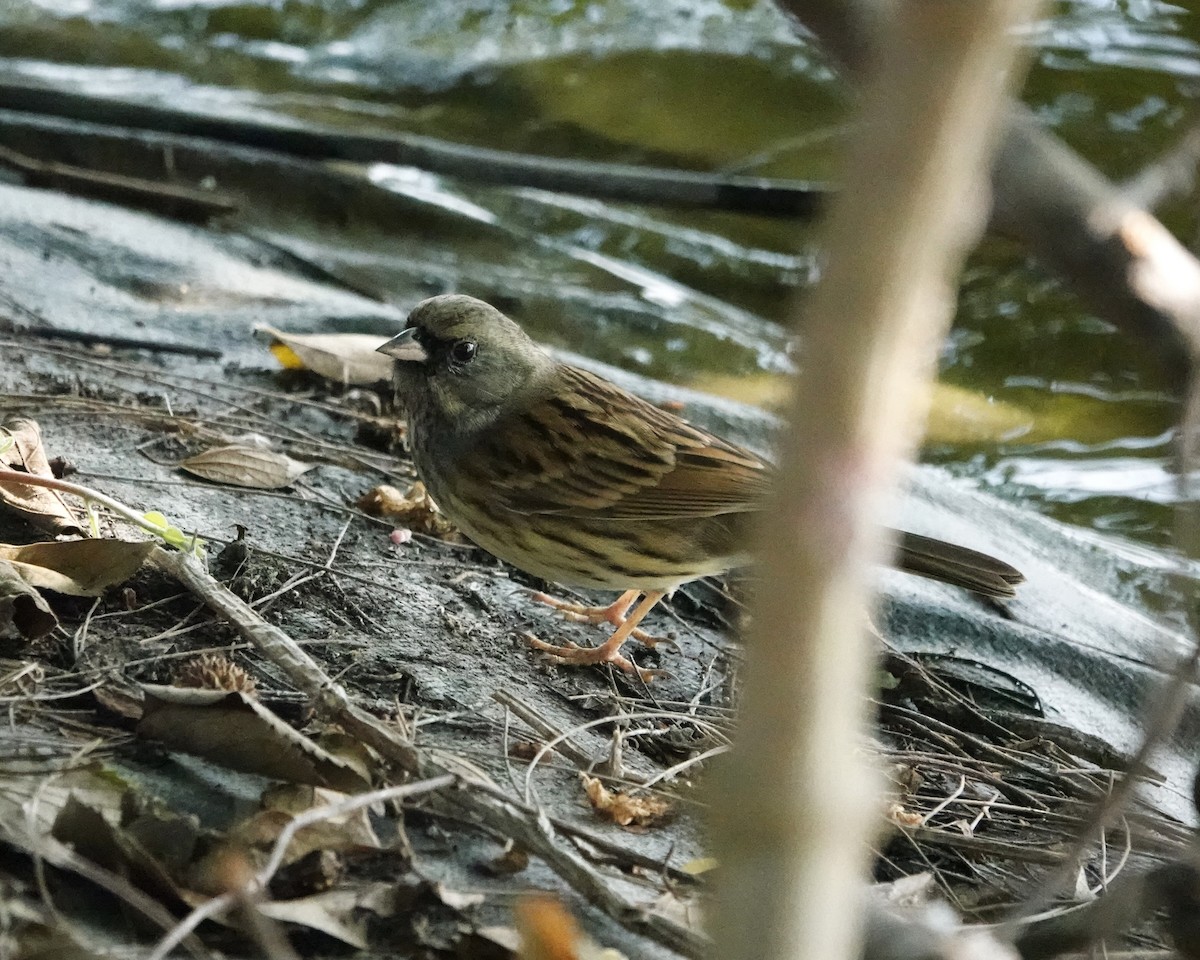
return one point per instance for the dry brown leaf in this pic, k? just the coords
(415, 509)
(242, 465)
(237, 732)
(252, 839)
(346, 358)
(624, 809)
(78, 568)
(44, 508)
(901, 816)
(347, 831)
(94, 785)
(23, 612)
(93, 836)
(338, 912)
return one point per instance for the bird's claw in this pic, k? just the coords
(571, 654)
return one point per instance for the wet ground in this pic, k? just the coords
(130, 340)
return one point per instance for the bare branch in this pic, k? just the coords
(793, 820)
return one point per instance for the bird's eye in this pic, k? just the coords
(463, 351)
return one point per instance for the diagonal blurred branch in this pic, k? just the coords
(793, 817)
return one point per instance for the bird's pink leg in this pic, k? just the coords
(615, 613)
(609, 650)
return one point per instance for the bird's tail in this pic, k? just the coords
(958, 566)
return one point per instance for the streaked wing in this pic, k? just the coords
(586, 448)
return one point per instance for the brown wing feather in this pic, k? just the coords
(640, 462)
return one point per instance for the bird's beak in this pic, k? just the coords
(404, 346)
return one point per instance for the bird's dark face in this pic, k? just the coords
(460, 360)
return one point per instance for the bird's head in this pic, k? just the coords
(460, 360)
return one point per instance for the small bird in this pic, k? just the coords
(575, 480)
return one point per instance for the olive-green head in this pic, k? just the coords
(460, 360)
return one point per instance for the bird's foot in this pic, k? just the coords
(615, 613)
(571, 654)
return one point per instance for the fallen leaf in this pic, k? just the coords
(44, 508)
(506, 938)
(350, 831)
(622, 808)
(45, 796)
(170, 837)
(315, 872)
(346, 358)
(337, 913)
(23, 612)
(901, 816)
(415, 509)
(78, 568)
(251, 840)
(86, 829)
(246, 466)
(237, 732)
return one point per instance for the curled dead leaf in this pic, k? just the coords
(244, 465)
(339, 913)
(415, 509)
(346, 358)
(23, 451)
(901, 816)
(252, 839)
(624, 809)
(23, 612)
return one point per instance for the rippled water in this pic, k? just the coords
(1044, 402)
